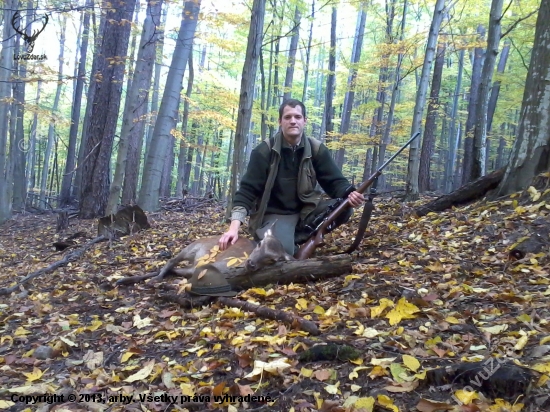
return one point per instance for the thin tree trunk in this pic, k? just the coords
(184, 143)
(428, 143)
(292, 55)
(479, 56)
(133, 122)
(65, 196)
(248, 80)
(53, 120)
(480, 130)
(166, 120)
(331, 81)
(495, 90)
(412, 191)
(308, 53)
(31, 159)
(350, 93)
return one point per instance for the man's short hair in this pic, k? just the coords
(292, 103)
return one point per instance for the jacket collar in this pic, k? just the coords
(279, 142)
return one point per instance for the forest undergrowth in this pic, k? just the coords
(425, 293)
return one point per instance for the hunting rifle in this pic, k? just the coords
(316, 238)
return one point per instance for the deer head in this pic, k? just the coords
(267, 252)
(29, 39)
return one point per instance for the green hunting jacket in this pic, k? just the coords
(281, 179)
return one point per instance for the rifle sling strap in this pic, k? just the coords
(363, 223)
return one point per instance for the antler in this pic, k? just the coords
(15, 26)
(37, 32)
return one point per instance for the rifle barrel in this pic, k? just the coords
(399, 151)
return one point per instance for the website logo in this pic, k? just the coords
(29, 39)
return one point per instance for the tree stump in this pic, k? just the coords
(62, 221)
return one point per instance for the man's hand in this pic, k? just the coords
(356, 199)
(231, 236)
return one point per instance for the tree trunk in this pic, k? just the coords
(6, 63)
(184, 143)
(531, 151)
(428, 142)
(54, 115)
(480, 130)
(292, 54)
(31, 155)
(386, 137)
(331, 81)
(414, 158)
(133, 122)
(154, 104)
(106, 104)
(479, 56)
(246, 97)
(308, 53)
(450, 166)
(20, 147)
(65, 196)
(350, 93)
(97, 31)
(495, 90)
(168, 111)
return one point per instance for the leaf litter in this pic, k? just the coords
(426, 294)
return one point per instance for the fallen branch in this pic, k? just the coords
(71, 257)
(468, 193)
(273, 314)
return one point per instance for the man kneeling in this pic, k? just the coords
(279, 184)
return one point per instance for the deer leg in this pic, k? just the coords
(172, 263)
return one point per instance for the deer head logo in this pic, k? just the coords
(29, 39)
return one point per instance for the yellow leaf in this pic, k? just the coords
(301, 304)
(542, 367)
(366, 404)
(6, 404)
(545, 340)
(377, 311)
(35, 375)
(466, 397)
(233, 262)
(21, 331)
(524, 317)
(96, 324)
(319, 310)
(143, 373)
(521, 342)
(333, 389)
(411, 362)
(387, 403)
(126, 356)
(452, 320)
(258, 291)
(306, 372)
(403, 310)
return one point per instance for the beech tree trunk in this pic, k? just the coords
(479, 56)
(428, 143)
(350, 93)
(480, 130)
(292, 54)
(107, 80)
(531, 151)
(53, 119)
(331, 81)
(184, 143)
(246, 97)
(412, 192)
(65, 195)
(168, 111)
(133, 121)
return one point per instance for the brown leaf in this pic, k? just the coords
(322, 374)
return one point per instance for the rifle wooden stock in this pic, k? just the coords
(316, 239)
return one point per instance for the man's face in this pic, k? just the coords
(292, 123)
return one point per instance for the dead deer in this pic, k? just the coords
(206, 250)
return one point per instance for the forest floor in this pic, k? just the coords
(439, 291)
